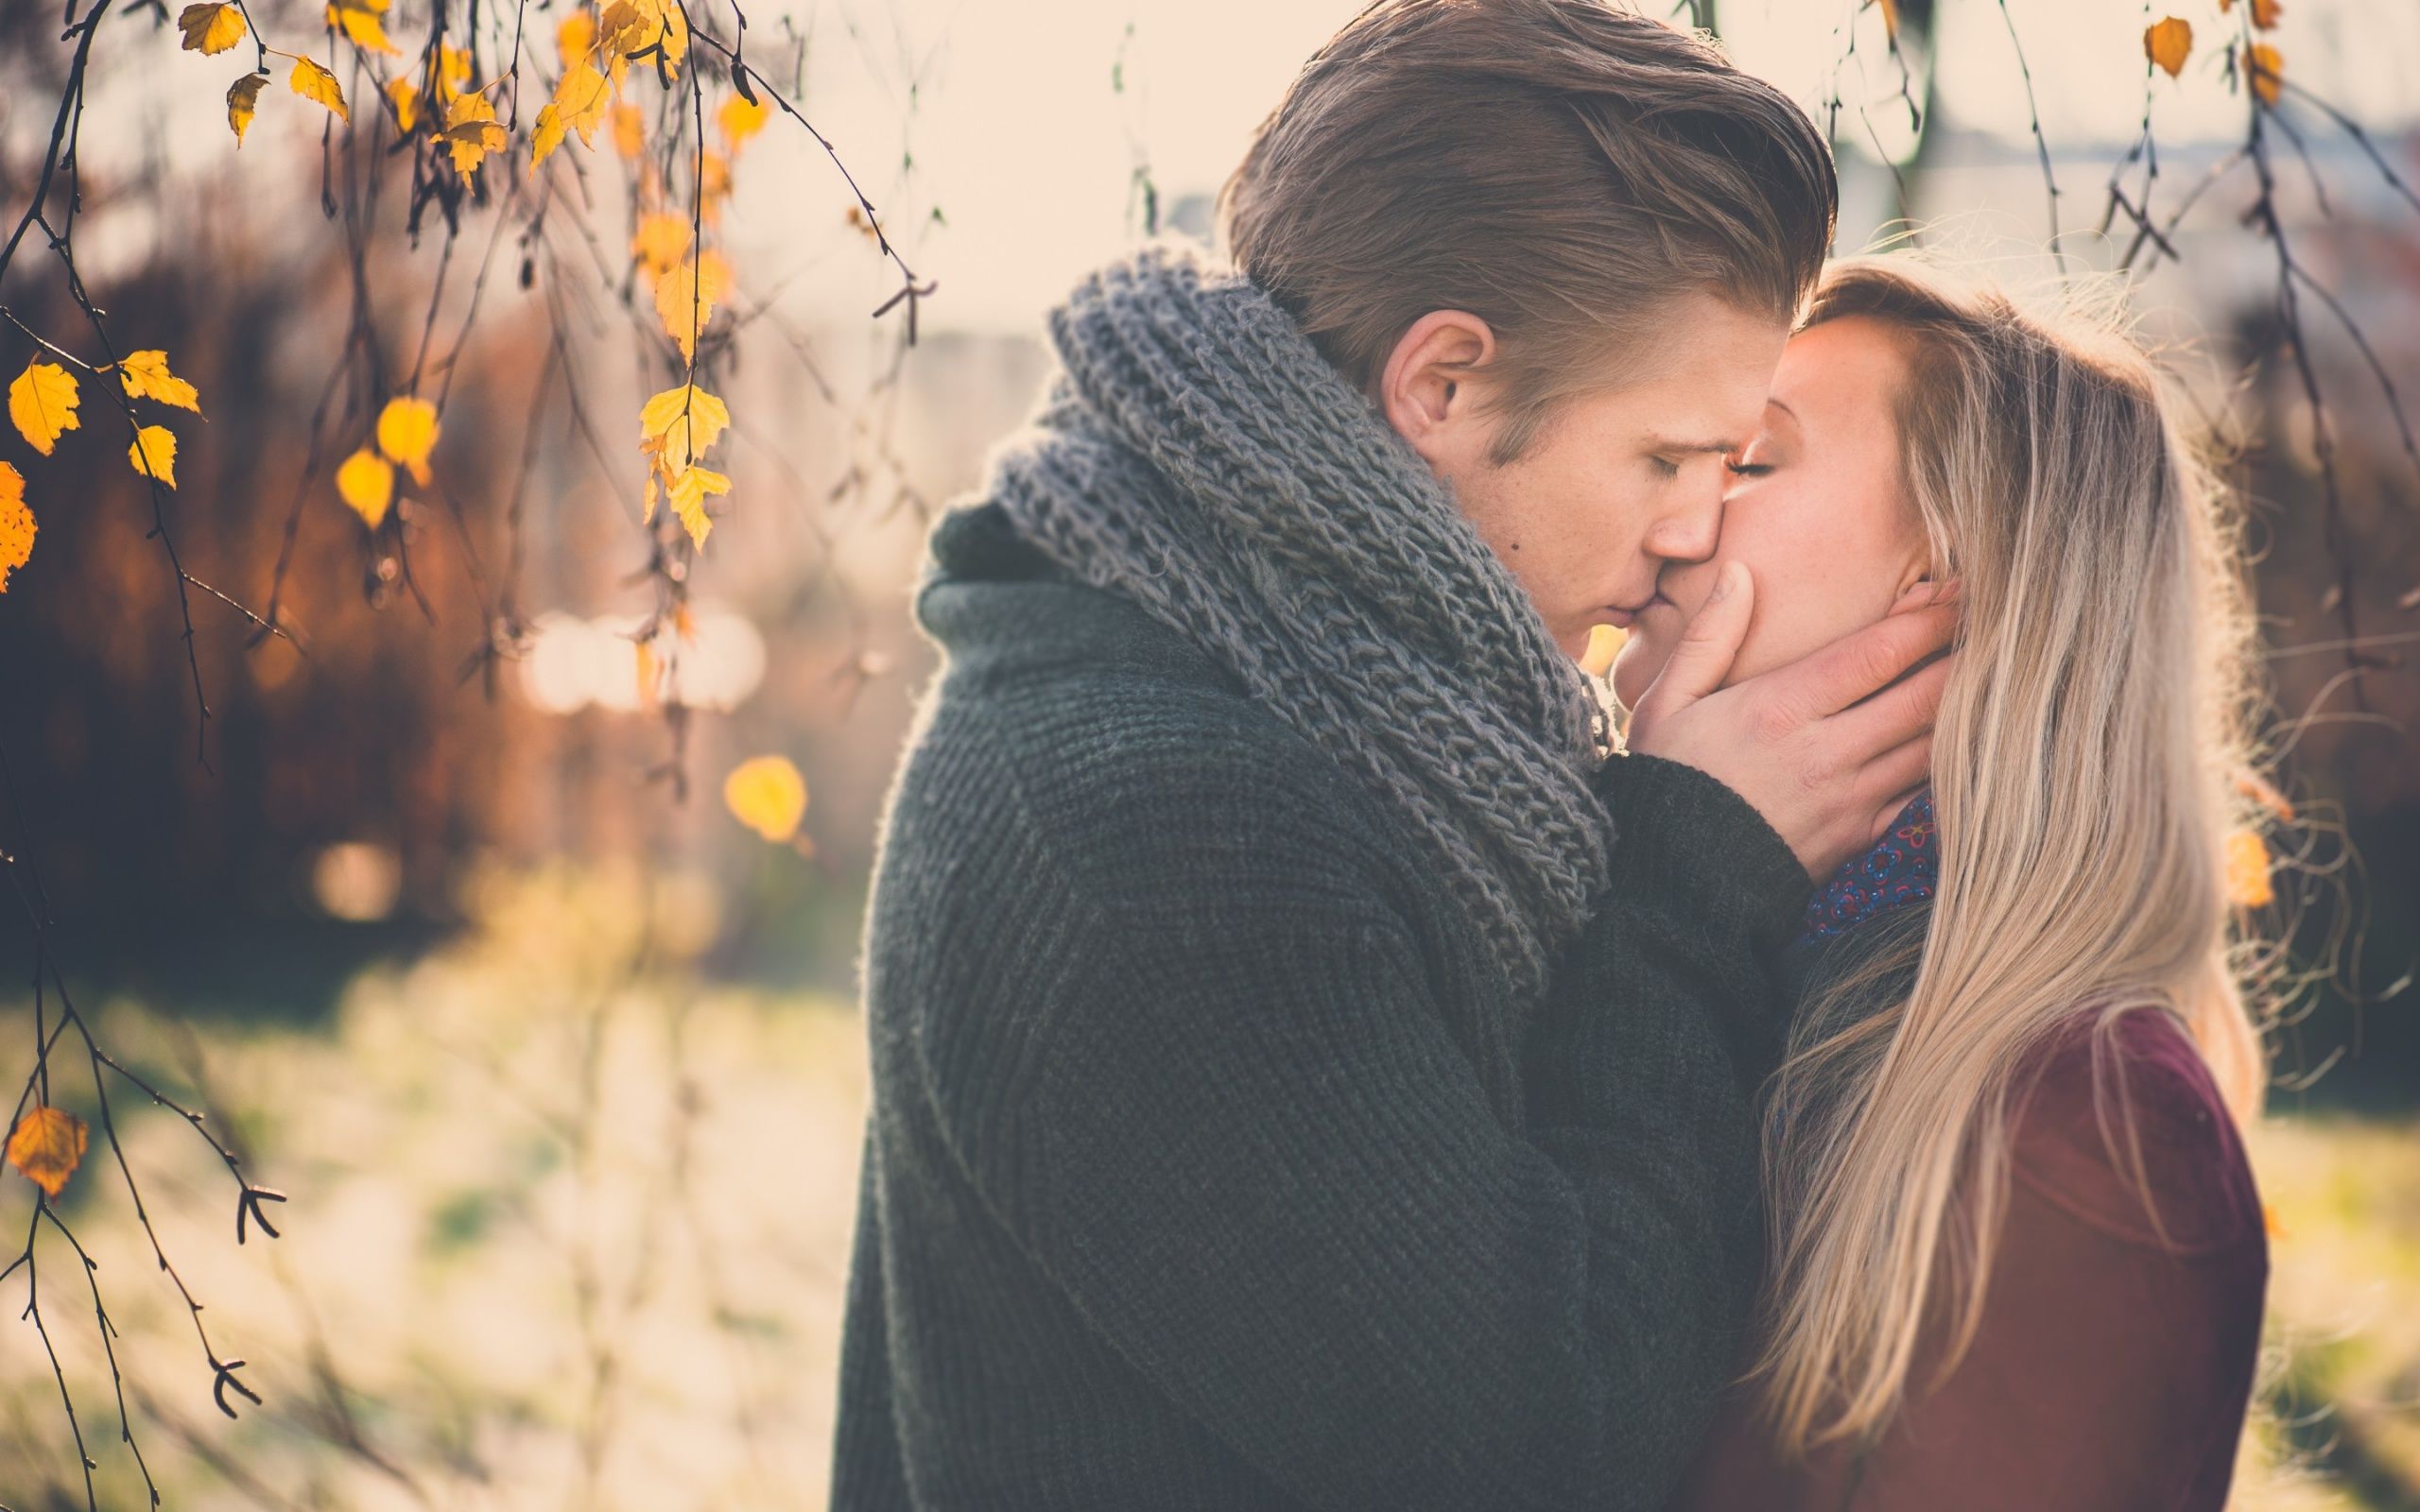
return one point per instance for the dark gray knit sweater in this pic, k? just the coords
(1211, 1165)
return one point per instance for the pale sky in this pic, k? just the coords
(1019, 138)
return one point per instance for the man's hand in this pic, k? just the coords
(1828, 748)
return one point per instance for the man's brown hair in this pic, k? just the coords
(1562, 169)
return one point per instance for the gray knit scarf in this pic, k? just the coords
(1197, 455)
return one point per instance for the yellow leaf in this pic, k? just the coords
(687, 497)
(42, 404)
(2168, 44)
(407, 98)
(681, 422)
(647, 500)
(768, 795)
(211, 28)
(1604, 644)
(2265, 13)
(2248, 884)
(576, 37)
(739, 120)
(16, 523)
(407, 433)
(359, 22)
(661, 240)
(647, 674)
(153, 454)
(313, 82)
(686, 295)
(471, 131)
(547, 135)
(2269, 1221)
(243, 98)
(145, 376)
(629, 131)
(2267, 71)
(453, 70)
(47, 1144)
(366, 482)
(581, 96)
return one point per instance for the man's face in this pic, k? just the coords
(1618, 483)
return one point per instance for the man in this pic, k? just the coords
(1306, 1073)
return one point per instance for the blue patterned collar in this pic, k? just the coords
(1903, 867)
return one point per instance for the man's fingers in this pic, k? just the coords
(1703, 657)
(1857, 666)
(1896, 775)
(1896, 715)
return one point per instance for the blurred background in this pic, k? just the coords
(442, 919)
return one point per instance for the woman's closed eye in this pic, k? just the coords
(1747, 470)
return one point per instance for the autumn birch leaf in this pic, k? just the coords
(740, 119)
(407, 98)
(687, 497)
(154, 454)
(2266, 13)
(768, 795)
(145, 376)
(453, 70)
(661, 240)
(2248, 864)
(472, 131)
(47, 1144)
(359, 20)
(681, 422)
(2168, 44)
(16, 523)
(576, 39)
(366, 482)
(210, 28)
(42, 404)
(2267, 71)
(629, 131)
(686, 298)
(407, 433)
(242, 100)
(313, 82)
(581, 96)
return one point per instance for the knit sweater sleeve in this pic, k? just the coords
(1214, 1097)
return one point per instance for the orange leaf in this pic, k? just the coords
(42, 404)
(2265, 12)
(47, 1144)
(2168, 44)
(145, 376)
(2267, 71)
(154, 454)
(313, 82)
(1604, 644)
(242, 100)
(768, 795)
(2248, 884)
(16, 523)
(210, 28)
(407, 429)
(366, 482)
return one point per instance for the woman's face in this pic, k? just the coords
(1815, 509)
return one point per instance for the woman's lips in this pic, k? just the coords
(1625, 618)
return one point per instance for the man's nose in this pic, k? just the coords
(1688, 531)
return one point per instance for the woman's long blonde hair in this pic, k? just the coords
(2082, 775)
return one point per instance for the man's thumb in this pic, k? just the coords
(1707, 648)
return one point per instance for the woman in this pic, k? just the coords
(2017, 1255)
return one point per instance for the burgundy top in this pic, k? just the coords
(2112, 1367)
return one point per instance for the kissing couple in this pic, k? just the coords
(1325, 1057)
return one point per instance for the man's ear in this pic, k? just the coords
(1427, 387)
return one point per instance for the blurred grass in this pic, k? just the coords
(569, 1226)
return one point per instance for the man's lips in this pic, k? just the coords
(1624, 618)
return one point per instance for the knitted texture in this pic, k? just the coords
(1197, 455)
